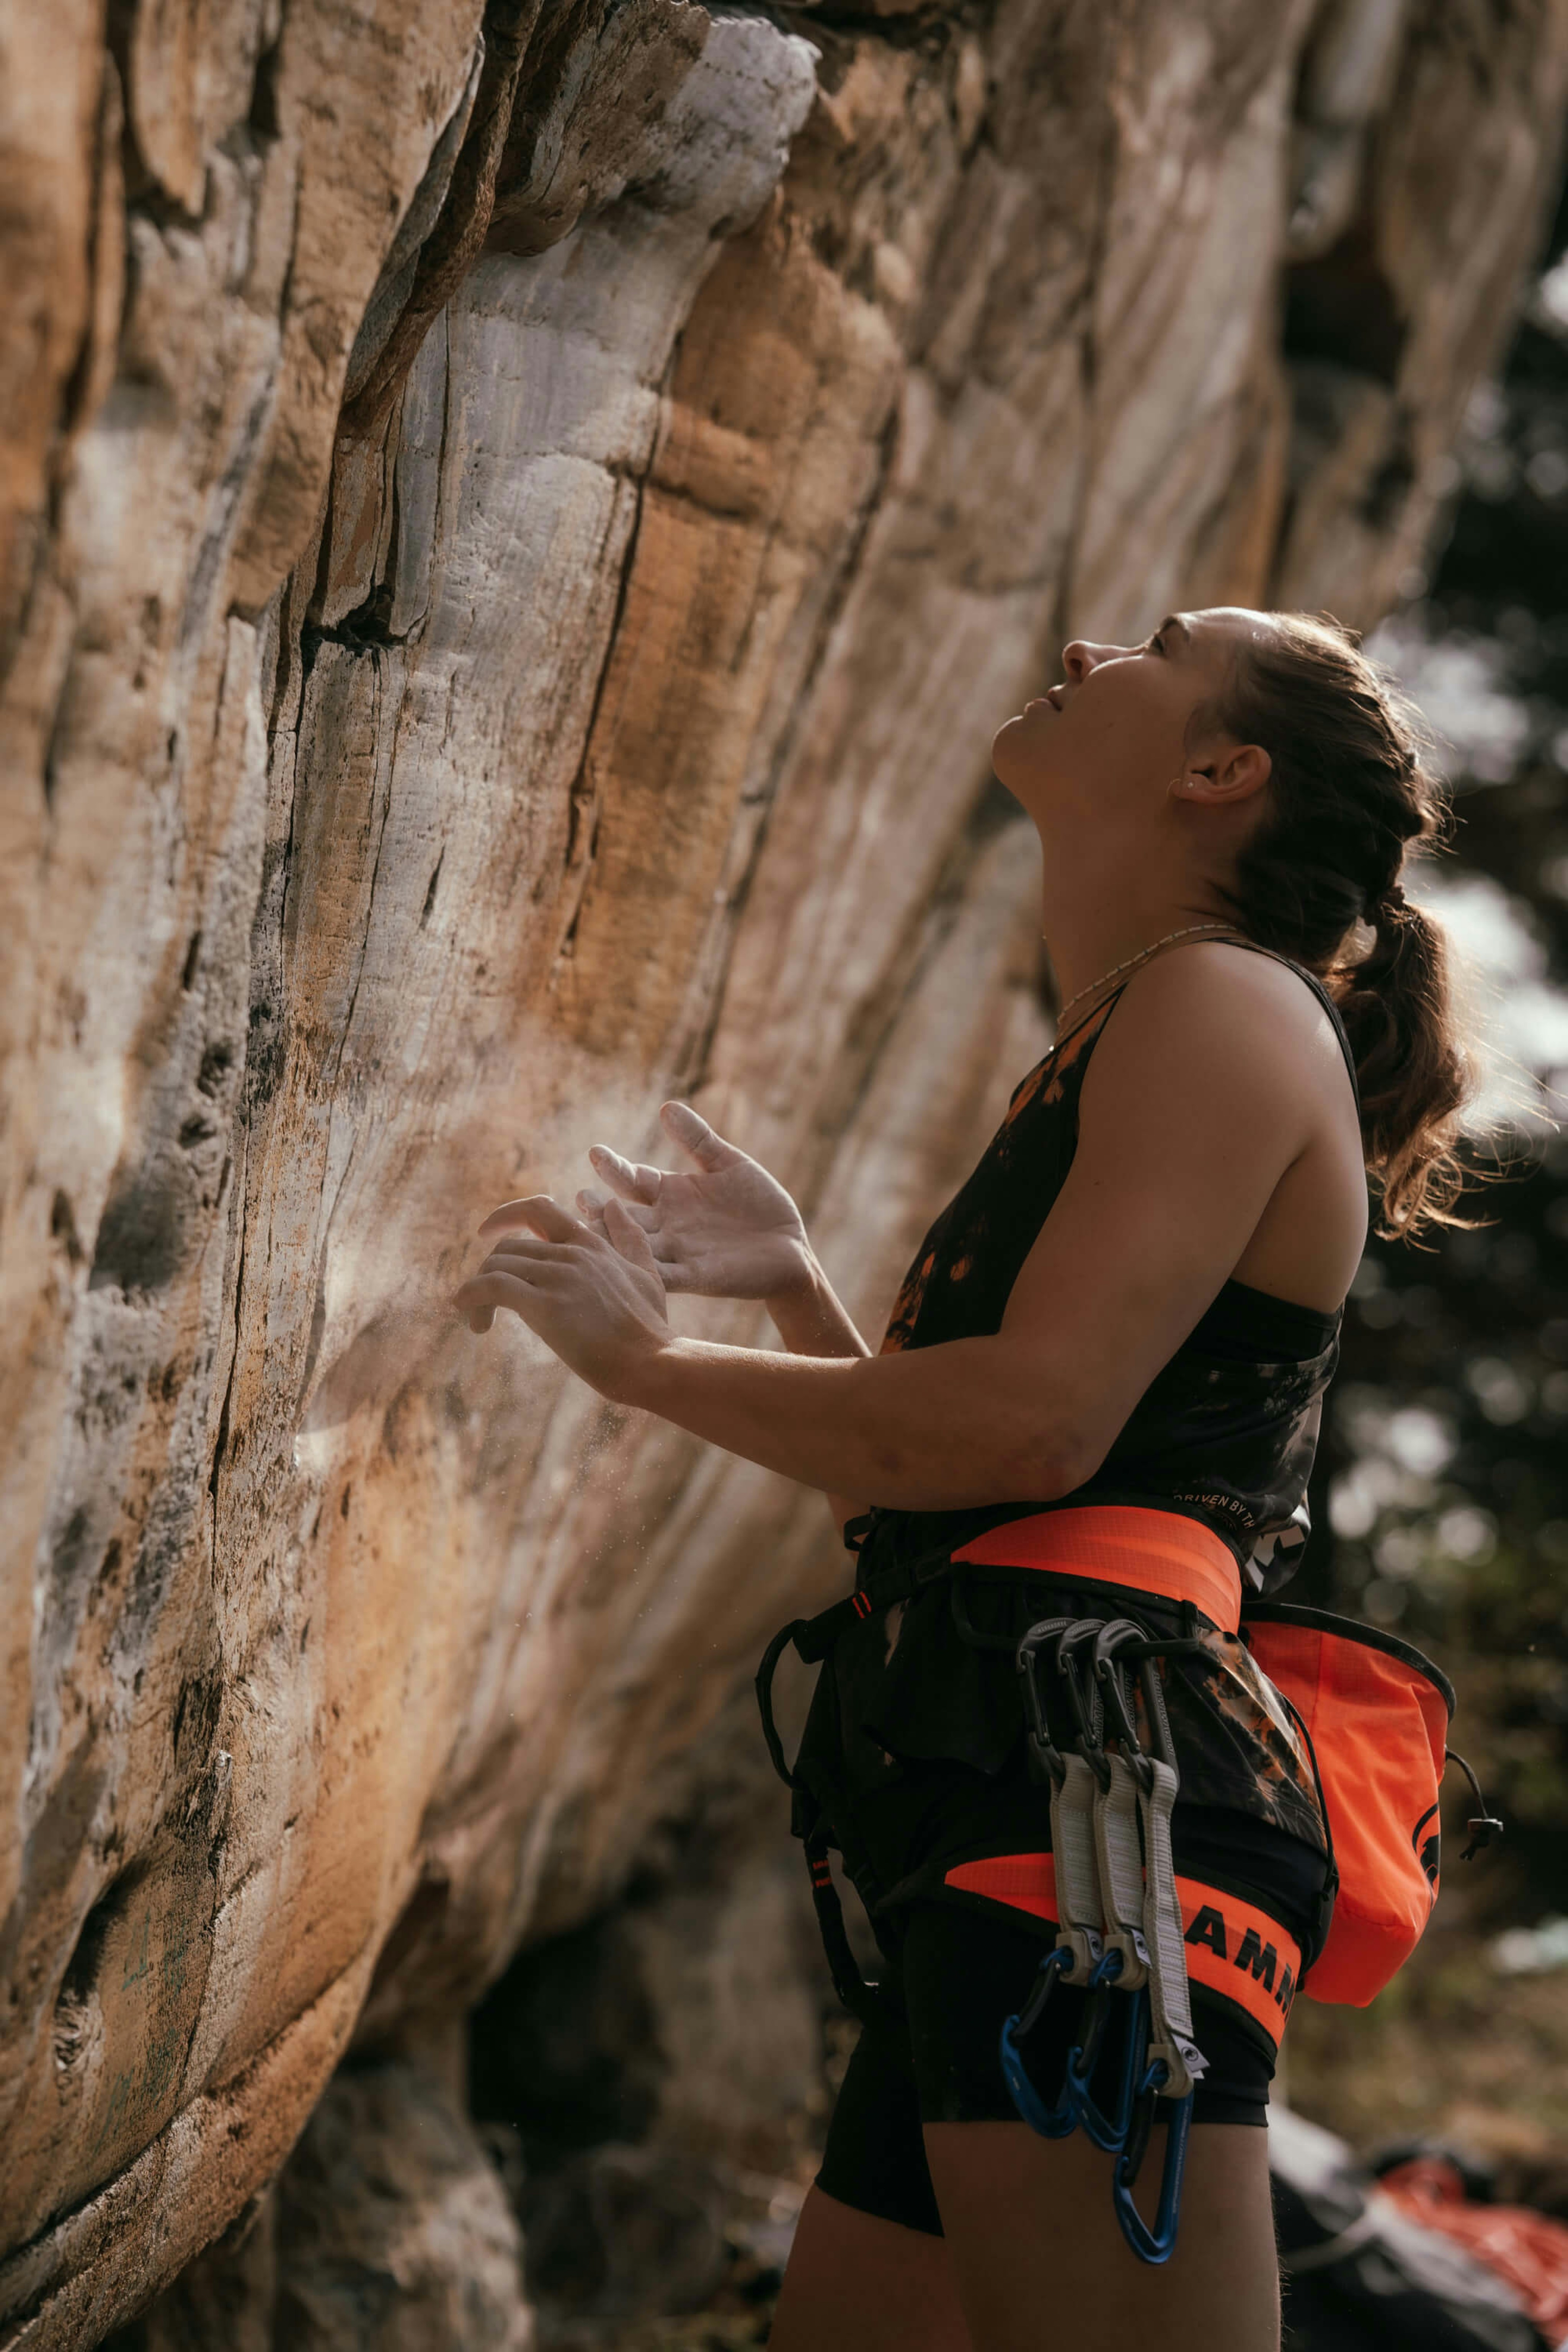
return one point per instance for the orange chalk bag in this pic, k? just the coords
(1375, 1716)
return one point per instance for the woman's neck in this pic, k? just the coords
(1088, 944)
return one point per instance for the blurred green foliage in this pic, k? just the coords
(1440, 1499)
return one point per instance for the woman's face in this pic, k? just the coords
(1104, 745)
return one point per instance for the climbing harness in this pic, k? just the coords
(1118, 1933)
(1370, 1714)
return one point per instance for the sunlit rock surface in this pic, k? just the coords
(515, 532)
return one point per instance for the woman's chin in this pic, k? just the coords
(1003, 742)
(1015, 759)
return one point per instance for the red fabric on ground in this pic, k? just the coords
(1528, 2249)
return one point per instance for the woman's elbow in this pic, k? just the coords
(1047, 1467)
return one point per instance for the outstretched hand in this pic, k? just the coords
(725, 1227)
(592, 1295)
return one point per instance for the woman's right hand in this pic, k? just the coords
(724, 1228)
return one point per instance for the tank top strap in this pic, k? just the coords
(1324, 999)
(1087, 1020)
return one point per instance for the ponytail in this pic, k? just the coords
(1394, 1003)
(1321, 881)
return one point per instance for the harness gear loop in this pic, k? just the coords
(862, 1999)
(970, 1634)
(765, 1687)
(813, 1638)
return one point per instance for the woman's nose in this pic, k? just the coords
(1080, 657)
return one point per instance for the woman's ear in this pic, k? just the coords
(1224, 776)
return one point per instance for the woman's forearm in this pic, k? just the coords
(814, 1321)
(925, 1429)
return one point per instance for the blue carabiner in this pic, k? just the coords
(1154, 2244)
(1051, 2123)
(1107, 2131)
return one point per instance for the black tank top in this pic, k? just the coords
(1225, 1434)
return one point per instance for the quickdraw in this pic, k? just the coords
(1120, 1924)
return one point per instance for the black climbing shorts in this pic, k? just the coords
(930, 2052)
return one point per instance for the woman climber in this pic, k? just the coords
(1080, 1453)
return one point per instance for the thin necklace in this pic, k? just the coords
(1189, 931)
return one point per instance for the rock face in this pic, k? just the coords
(516, 525)
(389, 2227)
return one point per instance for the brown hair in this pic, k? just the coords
(1347, 798)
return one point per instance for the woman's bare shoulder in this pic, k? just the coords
(1215, 1000)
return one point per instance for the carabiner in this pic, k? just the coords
(1117, 1634)
(1045, 1756)
(1086, 1711)
(1107, 2131)
(1051, 2123)
(1156, 2244)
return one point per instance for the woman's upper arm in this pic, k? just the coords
(1197, 1099)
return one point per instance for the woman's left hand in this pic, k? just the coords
(598, 1302)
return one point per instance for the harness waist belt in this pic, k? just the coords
(1114, 1543)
